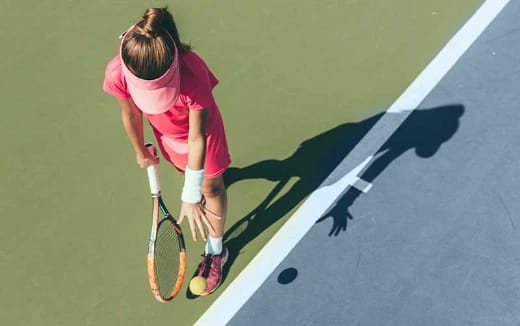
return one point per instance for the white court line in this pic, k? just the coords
(262, 265)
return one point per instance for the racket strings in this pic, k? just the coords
(167, 258)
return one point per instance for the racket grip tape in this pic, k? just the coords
(151, 170)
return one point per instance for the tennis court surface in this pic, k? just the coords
(435, 239)
(374, 148)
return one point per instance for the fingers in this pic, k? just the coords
(204, 218)
(151, 161)
(195, 216)
(141, 163)
(198, 219)
(207, 211)
(201, 229)
(147, 162)
(192, 228)
(204, 210)
(181, 215)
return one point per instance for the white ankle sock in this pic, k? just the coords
(214, 246)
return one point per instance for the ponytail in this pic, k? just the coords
(147, 49)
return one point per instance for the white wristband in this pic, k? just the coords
(192, 190)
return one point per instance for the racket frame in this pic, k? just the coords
(160, 208)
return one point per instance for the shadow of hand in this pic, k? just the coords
(340, 213)
(340, 216)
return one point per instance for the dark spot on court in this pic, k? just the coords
(287, 275)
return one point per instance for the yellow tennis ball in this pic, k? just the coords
(198, 285)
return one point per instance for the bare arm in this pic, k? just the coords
(197, 139)
(195, 212)
(132, 119)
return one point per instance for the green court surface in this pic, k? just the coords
(75, 207)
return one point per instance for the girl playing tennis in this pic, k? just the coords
(157, 76)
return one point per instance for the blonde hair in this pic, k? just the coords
(147, 49)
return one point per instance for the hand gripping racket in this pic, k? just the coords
(166, 260)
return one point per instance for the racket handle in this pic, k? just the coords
(151, 170)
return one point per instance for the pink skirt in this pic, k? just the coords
(175, 151)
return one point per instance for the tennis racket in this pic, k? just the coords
(166, 260)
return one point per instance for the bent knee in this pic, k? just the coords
(213, 187)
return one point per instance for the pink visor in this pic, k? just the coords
(157, 95)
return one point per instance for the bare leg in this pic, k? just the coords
(214, 192)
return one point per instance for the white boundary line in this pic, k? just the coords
(262, 265)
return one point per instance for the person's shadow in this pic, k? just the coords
(425, 130)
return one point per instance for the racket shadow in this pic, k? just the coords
(425, 130)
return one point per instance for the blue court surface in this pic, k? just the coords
(419, 223)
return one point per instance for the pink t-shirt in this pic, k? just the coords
(197, 83)
(171, 127)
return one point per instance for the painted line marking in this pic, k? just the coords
(362, 185)
(353, 180)
(262, 265)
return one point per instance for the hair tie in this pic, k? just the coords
(151, 33)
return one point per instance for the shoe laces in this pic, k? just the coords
(207, 265)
